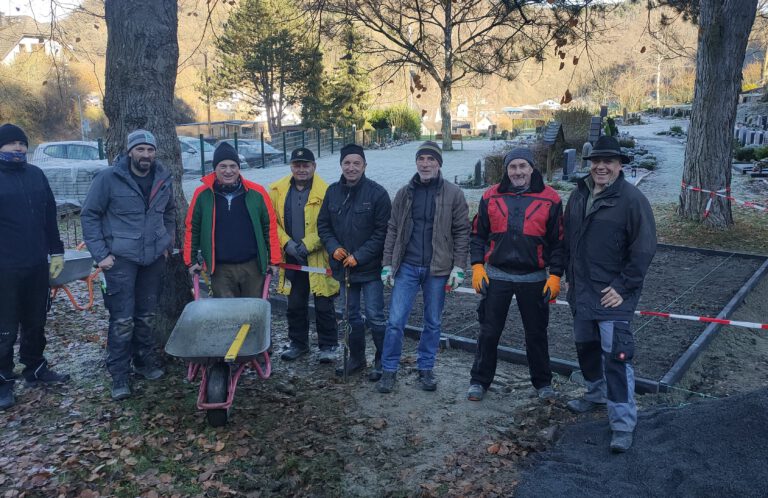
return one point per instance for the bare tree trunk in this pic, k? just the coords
(724, 27)
(142, 59)
(447, 83)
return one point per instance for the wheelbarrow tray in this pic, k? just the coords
(77, 266)
(206, 328)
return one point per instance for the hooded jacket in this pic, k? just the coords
(200, 224)
(355, 218)
(320, 285)
(610, 245)
(28, 223)
(116, 220)
(519, 233)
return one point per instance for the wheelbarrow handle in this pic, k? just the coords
(196, 285)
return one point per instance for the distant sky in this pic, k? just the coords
(39, 9)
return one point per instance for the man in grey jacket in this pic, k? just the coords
(426, 248)
(129, 223)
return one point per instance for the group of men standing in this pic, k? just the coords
(520, 244)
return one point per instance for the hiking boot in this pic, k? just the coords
(327, 354)
(293, 352)
(354, 364)
(387, 382)
(149, 372)
(121, 389)
(581, 405)
(427, 380)
(621, 441)
(44, 375)
(6, 395)
(475, 392)
(546, 393)
(376, 371)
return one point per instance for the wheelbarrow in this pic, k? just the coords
(78, 265)
(220, 338)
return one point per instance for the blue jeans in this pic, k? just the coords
(408, 280)
(373, 294)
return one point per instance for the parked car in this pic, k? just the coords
(190, 154)
(70, 149)
(251, 149)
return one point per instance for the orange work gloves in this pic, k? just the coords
(340, 254)
(551, 288)
(480, 280)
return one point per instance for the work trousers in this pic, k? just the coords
(238, 279)
(492, 313)
(131, 297)
(298, 314)
(605, 350)
(24, 295)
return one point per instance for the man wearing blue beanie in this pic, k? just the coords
(521, 220)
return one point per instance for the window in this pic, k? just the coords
(59, 151)
(82, 152)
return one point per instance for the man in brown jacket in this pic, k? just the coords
(426, 247)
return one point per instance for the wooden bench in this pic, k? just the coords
(454, 137)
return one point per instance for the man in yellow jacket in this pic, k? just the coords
(297, 199)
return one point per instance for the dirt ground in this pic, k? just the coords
(304, 433)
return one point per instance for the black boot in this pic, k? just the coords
(356, 360)
(43, 375)
(6, 395)
(378, 341)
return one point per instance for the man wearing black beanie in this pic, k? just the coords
(231, 223)
(353, 225)
(29, 231)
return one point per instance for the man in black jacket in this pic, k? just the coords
(29, 231)
(352, 226)
(610, 237)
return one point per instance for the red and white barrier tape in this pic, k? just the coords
(308, 269)
(725, 194)
(673, 316)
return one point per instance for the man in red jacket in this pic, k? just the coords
(516, 248)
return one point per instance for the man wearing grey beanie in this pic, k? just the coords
(129, 223)
(521, 220)
(425, 249)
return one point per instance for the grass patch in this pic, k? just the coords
(749, 233)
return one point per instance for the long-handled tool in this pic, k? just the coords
(345, 324)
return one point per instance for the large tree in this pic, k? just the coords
(265, 55)
(724, 27)
(452, 41)
(142, 58)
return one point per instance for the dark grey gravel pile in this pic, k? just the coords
(714, 448)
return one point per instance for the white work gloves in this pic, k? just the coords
(456, 278)
(387, 278)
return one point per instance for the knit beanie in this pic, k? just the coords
(139, 137)
(519, 153)
(351, 149)
(430, 148)
(225, 151)
(12, 133)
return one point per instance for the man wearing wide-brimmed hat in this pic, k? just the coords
(610, 236)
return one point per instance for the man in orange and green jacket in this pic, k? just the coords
(231, 222)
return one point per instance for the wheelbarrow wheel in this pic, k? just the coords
(218, 382)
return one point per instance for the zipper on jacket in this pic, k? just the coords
(534, 211)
